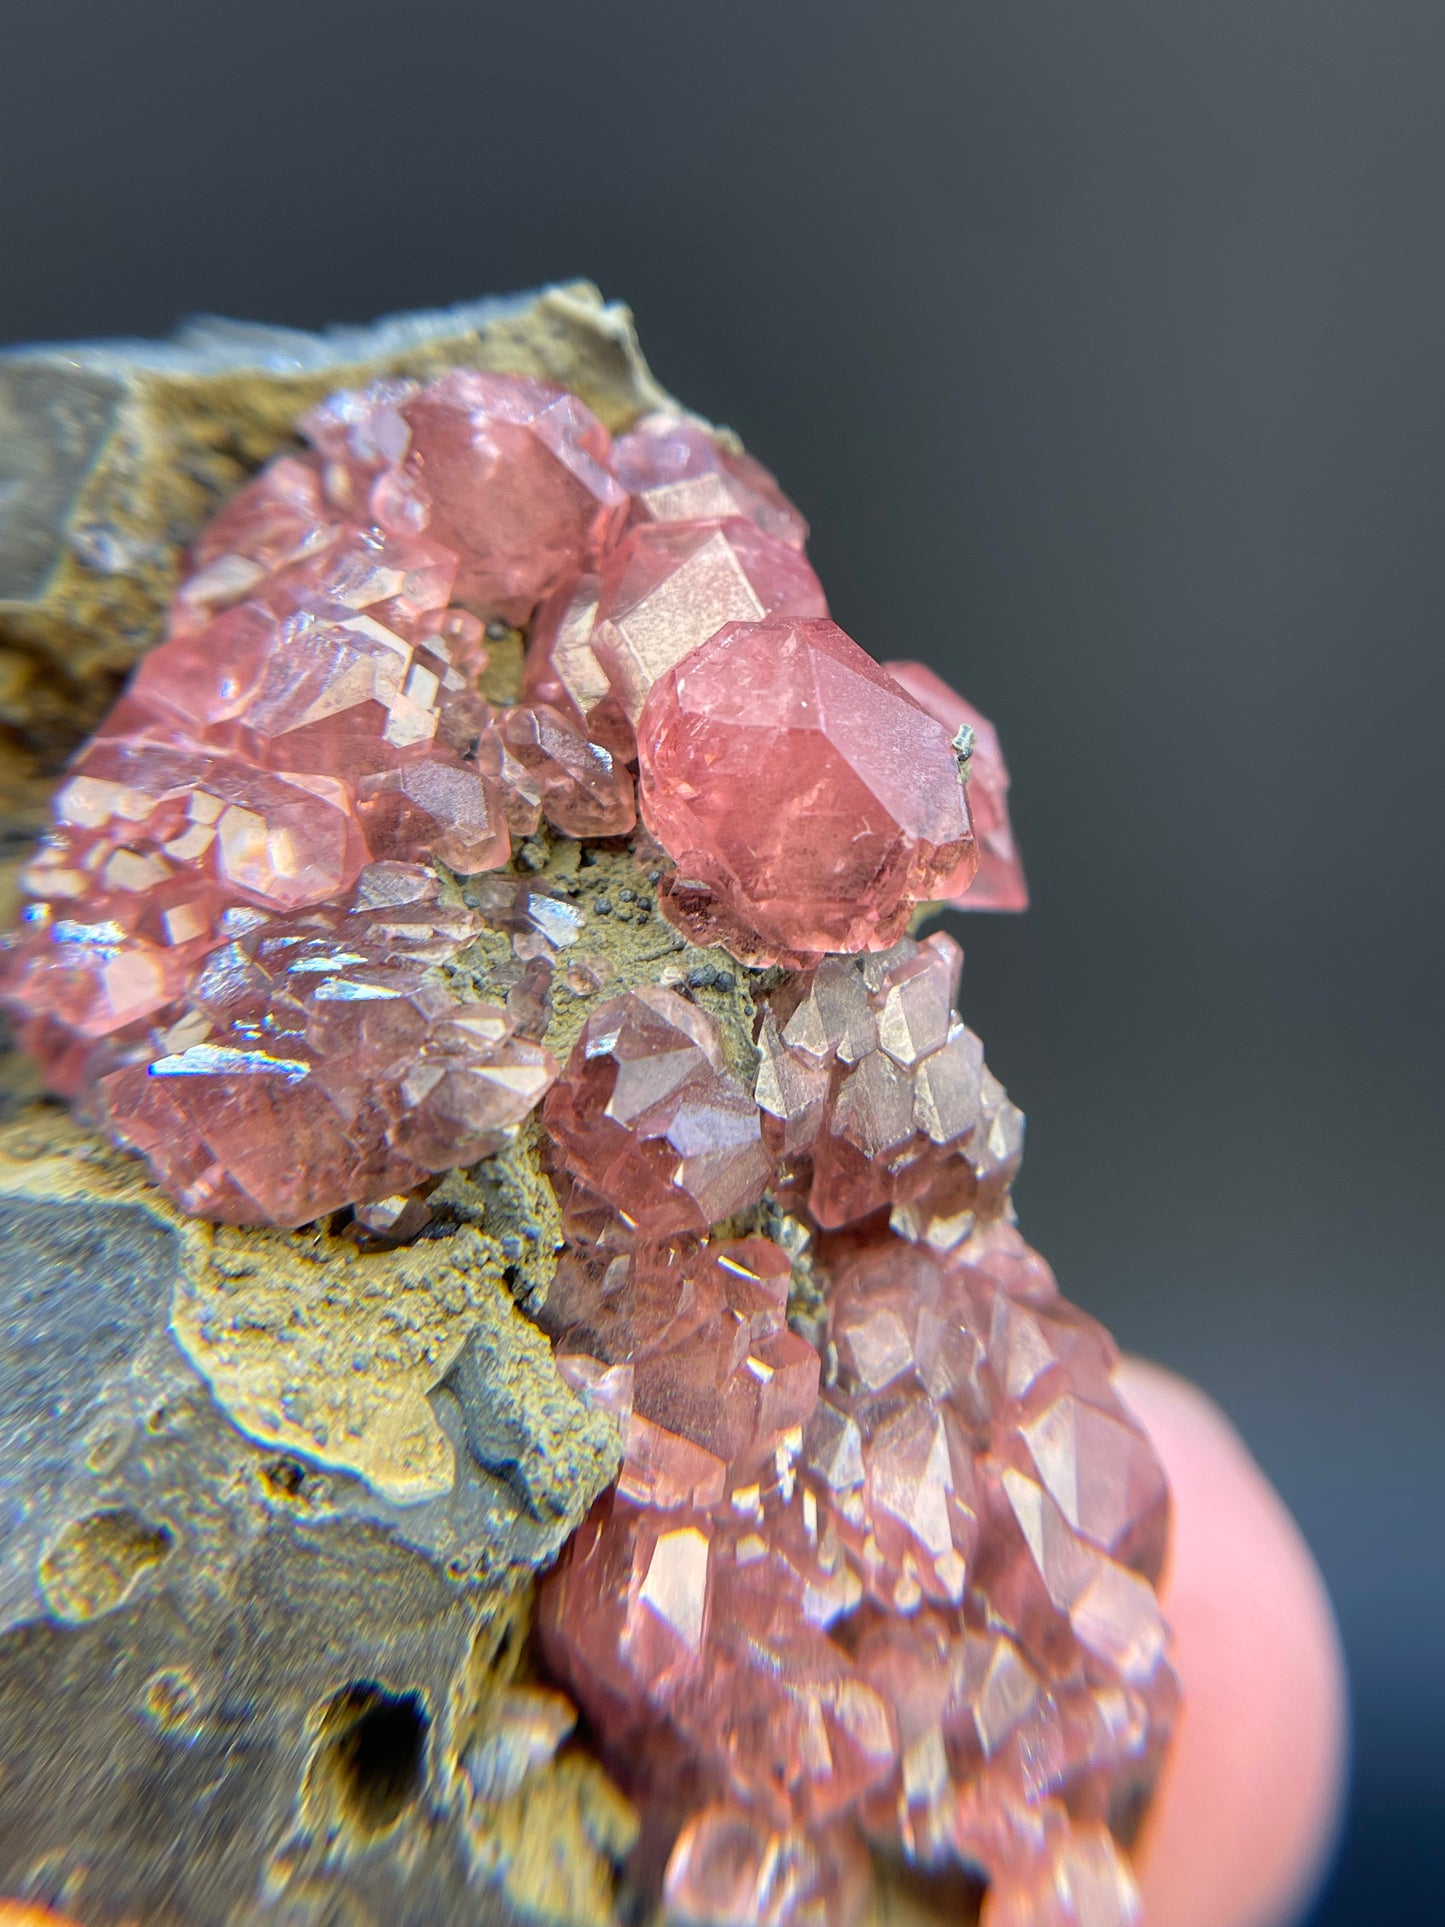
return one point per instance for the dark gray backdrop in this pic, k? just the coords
(1105, 347)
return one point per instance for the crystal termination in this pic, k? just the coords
(876, 1579)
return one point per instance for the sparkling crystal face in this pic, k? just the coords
(878, 1567)
(807, 801)
(649, 1117)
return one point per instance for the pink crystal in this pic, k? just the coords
(649, 1117)
(336, 663)
(561, 667)
(1081, 1880)
(675, 471)
(153, 849)
(452, 810)
(868, 1071)
(932, 1613)
(508, 473)
(583, 789)
(807, 802)
(731, 1869)
(715, 1383)
(278, 518)
(314, 1062)
(671, 587)
(999, 882)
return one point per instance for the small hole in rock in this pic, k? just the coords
(369, 1766)
(284, 1477)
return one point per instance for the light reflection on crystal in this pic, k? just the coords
(879, 1564)
(814, 830)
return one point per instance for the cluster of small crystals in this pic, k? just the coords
(313, 719)
(883, 1576)
(877, 1573)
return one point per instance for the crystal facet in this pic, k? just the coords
(879, 1565)
(675, 471)
(648, 1116)
(672, 587)
(510, 475)
(998, 883)
(807, 802)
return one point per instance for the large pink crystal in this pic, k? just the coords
(670, 588)
(999, 881)
(511, 475)
(807, 802)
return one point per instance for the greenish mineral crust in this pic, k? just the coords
(113, 455)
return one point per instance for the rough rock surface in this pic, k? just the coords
(238, 1681)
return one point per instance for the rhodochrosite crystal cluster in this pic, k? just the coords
(878, 1570)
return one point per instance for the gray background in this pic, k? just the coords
(1105, 347)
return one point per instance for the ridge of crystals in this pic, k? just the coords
(878, 1568)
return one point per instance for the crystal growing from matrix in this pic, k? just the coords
(807, 801)
(648, 1115)
(317, 923)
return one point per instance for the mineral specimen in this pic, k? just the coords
(347, 922)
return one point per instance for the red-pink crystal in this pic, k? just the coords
(670, 587)
(454, 811)
(561, 667)
(582, 788)
(715, 1383)
(511, 475)
(1080, 1880)
(316, 1062)
(999, 882)
(676, 471)
(153, 847)
(855, 1628)
(867, 1071)
(807, 802)
(730, 1868)
(279, 517)
(648, 1116)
